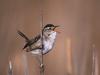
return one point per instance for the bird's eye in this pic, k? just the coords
(50, 28)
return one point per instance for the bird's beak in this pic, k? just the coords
(56, 29)
(56, 26)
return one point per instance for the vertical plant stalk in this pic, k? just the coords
(41, 57)
(93, 59)
(10, 71)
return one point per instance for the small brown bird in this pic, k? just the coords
(44, 41)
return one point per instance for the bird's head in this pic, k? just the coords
(50, 28)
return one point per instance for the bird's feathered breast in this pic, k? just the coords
(48, 44)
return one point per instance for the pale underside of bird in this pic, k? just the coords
(47, 44)
(43, 42)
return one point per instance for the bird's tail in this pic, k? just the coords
(23, 35)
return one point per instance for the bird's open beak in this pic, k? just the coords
(56, 26)
(56, 29)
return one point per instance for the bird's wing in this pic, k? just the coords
(23, 35)
(32, 42)
(35, 46)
